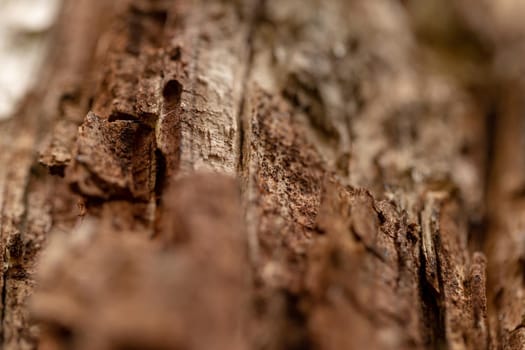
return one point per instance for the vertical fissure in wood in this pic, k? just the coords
(254, 20)
(243, 122)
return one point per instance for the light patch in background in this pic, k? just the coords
(24, 35)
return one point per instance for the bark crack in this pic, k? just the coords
(242, 125)
(256, 16)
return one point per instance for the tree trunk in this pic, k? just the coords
(254, 174)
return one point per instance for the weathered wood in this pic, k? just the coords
(369, 119)
(259, 175)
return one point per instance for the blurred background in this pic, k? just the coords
(24, 36)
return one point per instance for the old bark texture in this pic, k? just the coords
(253, 174)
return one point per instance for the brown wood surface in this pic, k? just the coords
(262, 174)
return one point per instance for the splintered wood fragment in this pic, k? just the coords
(429, 231)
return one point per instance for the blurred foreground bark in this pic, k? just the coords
(258, 175)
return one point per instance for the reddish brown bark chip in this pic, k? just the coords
(114, 159)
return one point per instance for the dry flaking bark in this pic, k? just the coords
(374, 120)
(230, 178)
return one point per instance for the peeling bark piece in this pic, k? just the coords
(188, 292)
(113, 159)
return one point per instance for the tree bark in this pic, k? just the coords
(254, 174)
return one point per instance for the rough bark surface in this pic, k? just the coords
(254, 174)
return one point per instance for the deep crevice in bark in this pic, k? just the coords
(254, 21)
(432, 308)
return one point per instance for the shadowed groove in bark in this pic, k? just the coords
(256, 16)
(242, 115)
(433, 317)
